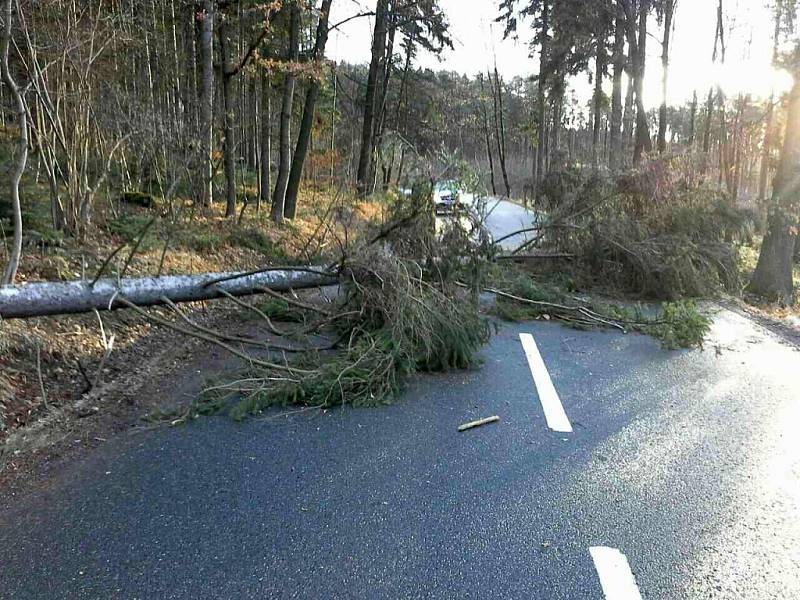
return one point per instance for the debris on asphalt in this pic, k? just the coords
(478, 423)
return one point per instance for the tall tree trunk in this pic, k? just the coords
(487, 135)
(693, 120)
(368, 125)
(402, 164)
(228, 121)
(773, 275)
(600, 67)
(669, 7)
(616, 94)
(723, 141)
(190, 91)
(380, 113)
(709, 118)
(643, 143)
(766, 150)
(628, 118)
(307, 122)
(500, 128)
(332, 147)
(402, 103)
(737, 148)
(769, 134)
(555, 155)
(719, 40)
(282, 179)
(265, 162)
(542, 98)
(22, 147)
(207, 103)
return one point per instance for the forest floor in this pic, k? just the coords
(53, 394)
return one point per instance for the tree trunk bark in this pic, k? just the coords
(332, 147)
(719, 39)
(692, 120)
(207, 104)
(229, 141)
(487, 135)
(497, 94)
(542, 99)
(307, 122)
(643, 143)
(773, 275)
(709, 118)
(600, 67)
(556, 156)
(71, 297)
(766, 151)
(22, 147)
(368, 126)
(628, 118)
(669, 6)
(380, 112)
(737, 148)
(402, 101)
(616, 95)
(772, 278)
(769, 133)
(190, 91)
(265, 163)
(279, 195)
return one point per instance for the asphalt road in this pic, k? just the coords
(685, 462)
(504, 218)
(501, 218)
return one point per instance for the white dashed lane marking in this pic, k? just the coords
(551, 404)
(615, 574)
(612, 567)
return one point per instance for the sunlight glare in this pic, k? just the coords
(753, 78)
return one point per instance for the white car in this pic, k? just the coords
(446, 197)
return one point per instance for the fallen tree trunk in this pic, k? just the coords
(523, 257)
(69, 297)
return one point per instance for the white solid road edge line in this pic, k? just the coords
(615, 574)
(553, 409)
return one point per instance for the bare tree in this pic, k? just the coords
(642, 137)
(597, 108)
(228, 72)
(636, 32)
(669, 10)
(719, 51)
(22, 145)
(541, 104)
(279, 194)
(618, 60)
(487, 135)
(307, 121)
(230, 69)
(265, 161)
(207, 102)
(500, 126)
(692, 121)
(370, 101)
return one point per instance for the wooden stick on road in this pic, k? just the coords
(478, 423)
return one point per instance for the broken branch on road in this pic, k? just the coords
(478, 423)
